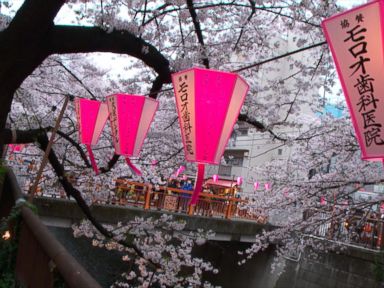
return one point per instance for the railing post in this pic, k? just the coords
(229, 208)
(147, 200)
(191, 209)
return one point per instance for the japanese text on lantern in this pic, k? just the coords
(363, 82)
(78, 115)
(113, 118)
(185, 113)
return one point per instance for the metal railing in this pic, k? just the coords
(354, 229)
(40, 256)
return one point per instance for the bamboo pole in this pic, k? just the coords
(32, 190)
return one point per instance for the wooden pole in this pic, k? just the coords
(147, 202)
(32, 190)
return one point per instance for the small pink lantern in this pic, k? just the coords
(215, 178)
(16, 147)
(153, 164)
(180, 170)
(323, 201)
(267, 186)
(208, 103)
(91, 118)
(355, 38)
(256, 185)
(131, 117)
(239, 181)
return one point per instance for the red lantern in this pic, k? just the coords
(131, 117)
(91, 118)
(208, 103)
(355, 38)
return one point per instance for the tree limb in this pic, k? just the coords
(77, 39)
(198, 31)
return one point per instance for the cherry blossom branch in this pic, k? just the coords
(279, 57)
(76, 78)
(253, 10)
(198, 32)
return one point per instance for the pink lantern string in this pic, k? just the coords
(239, 181)
(215, 178)
(208, 103)
(130, 116)
(91, 118)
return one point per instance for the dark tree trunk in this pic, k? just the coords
(32, 36)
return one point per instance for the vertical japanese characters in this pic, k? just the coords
(364, 83)
(185, 113)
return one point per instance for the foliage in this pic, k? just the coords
(166, 248)
(9, 227)
(285, 105)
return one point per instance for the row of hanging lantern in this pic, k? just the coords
(208, 104)
(130, 117)
(239, 182)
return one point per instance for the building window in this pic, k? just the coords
(242, 131)
(234, 160)
(280, 152)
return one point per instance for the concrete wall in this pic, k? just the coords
(355, 269)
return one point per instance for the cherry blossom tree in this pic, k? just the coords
(277, 46)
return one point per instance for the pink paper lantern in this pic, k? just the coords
(256, 185)
(130, 116)
(208, 103)
(239, 181)
(355, 38)
(267, 186)
(180, 170)
(16, 147)
(323, 201)
(91, 118)
(215, 178)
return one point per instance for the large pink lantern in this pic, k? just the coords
(208, 103)
(355, 38)
(91, 118)
(131, 117)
